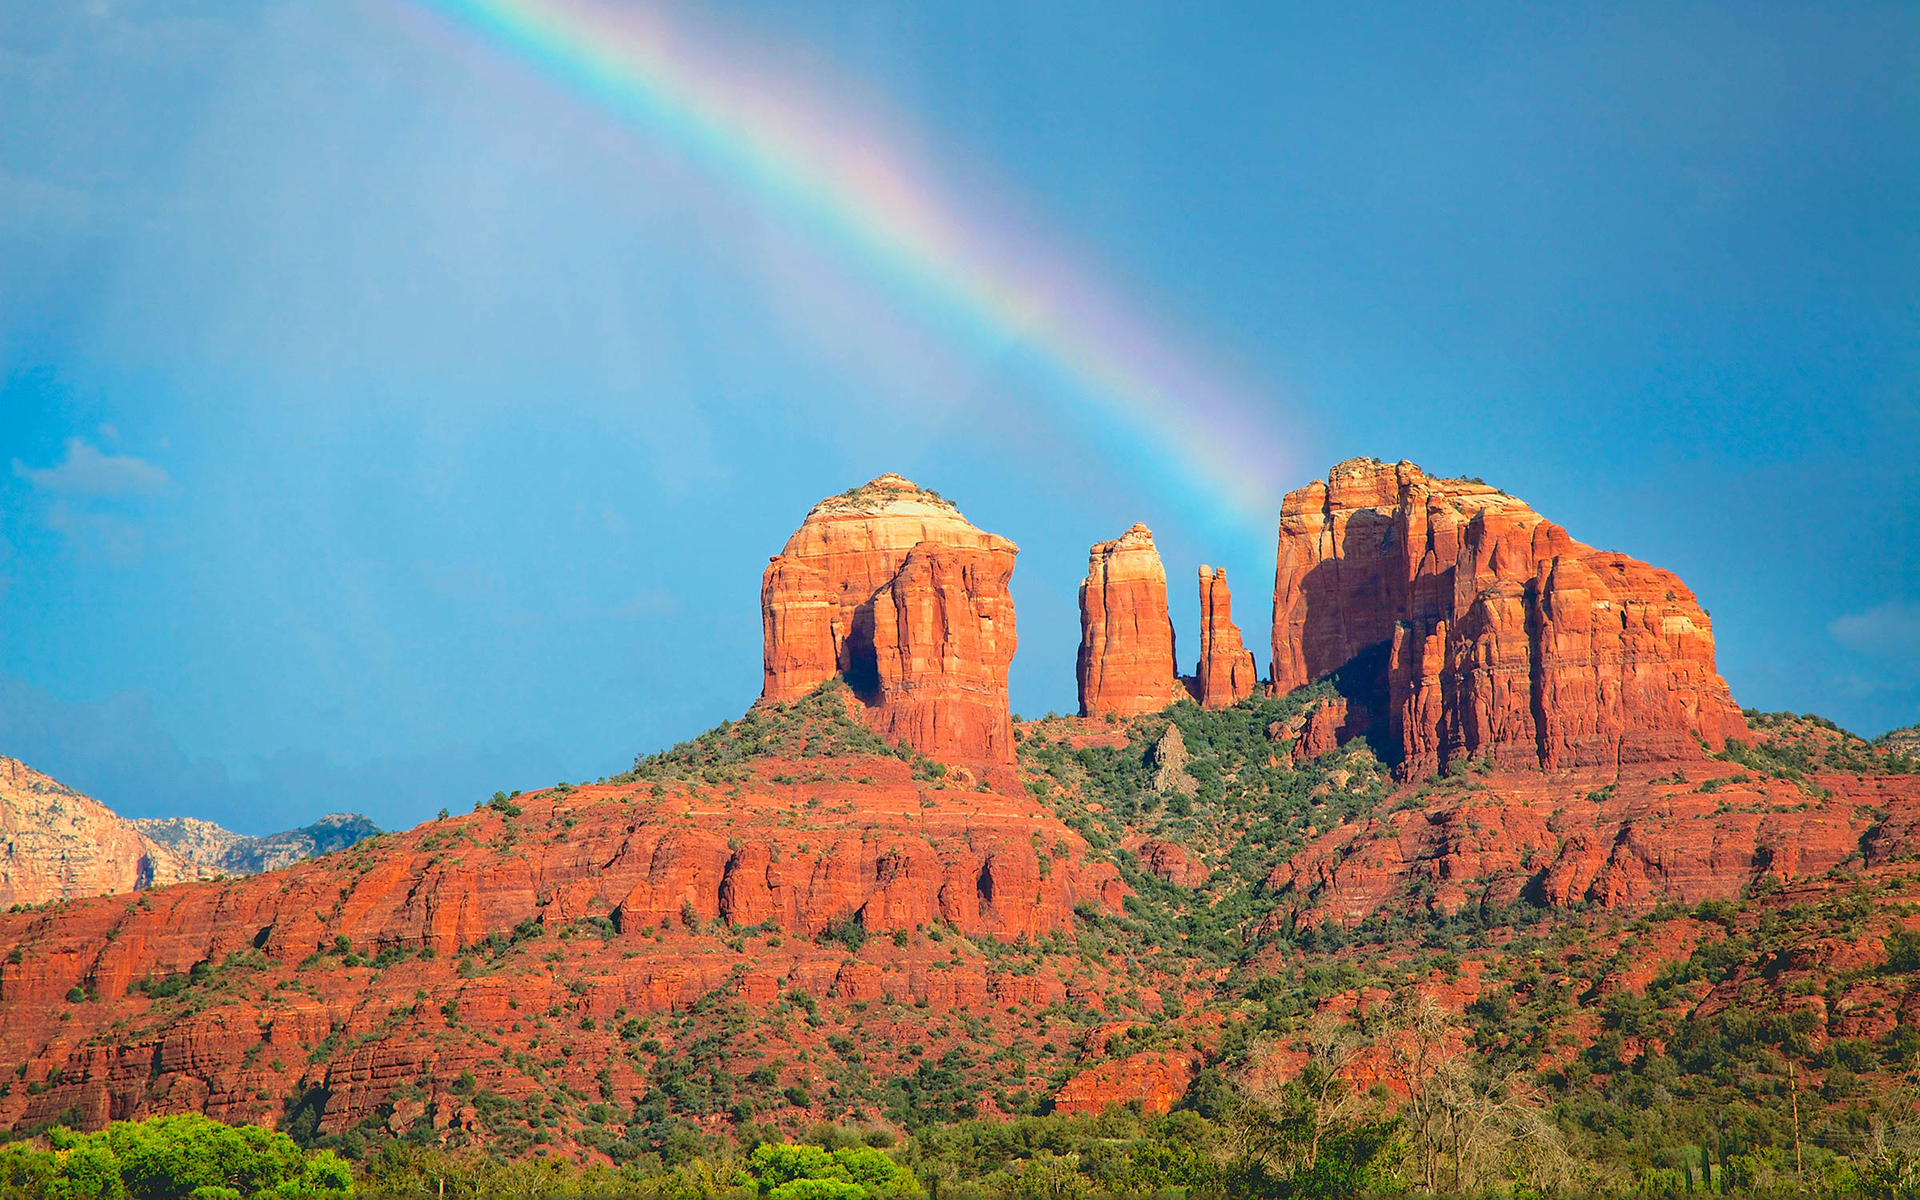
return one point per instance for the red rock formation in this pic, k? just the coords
(1481, 628)
(1592, 836)
(1320, 729)
(1226, 673)
(888, 587)
(1127, 663)
(1169, 861)
(1157, 1080)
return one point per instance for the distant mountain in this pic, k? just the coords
(232, 853)
(58, 844)
(1901, 741)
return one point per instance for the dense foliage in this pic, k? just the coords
(170, 1158)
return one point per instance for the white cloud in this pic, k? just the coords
(1891, 630)
(85, 471)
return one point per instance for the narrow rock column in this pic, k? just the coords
(1127, 663)
(1226, 673)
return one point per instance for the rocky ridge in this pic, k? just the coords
(1901, 741)
(876, 894)
(222, 851)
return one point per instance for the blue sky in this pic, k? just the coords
(381, 424)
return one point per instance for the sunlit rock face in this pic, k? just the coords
(1226, 674)
(1126, 663)
(1470, 625)
(889, 588)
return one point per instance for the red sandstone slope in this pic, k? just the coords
(1705, 831)
(1483, 629)
(653, 897)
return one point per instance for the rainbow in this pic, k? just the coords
(829, 170)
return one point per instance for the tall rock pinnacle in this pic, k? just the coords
(1226, 674)
(1481, 628)
(1127, 664)
(888, 587)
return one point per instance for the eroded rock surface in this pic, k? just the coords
(1226, 674)
(1469, 625)
(888, 587)
(1127, 664)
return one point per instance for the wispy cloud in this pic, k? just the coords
(1889, 630)
(88, 471)
(92, 498)
(117, 540)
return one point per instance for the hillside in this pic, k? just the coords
(1901, 741)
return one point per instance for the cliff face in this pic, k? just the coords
(59, 844)
(1475, 626)
(1226, 673)
(889, 588)
(1127, 664)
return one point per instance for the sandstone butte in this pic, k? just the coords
(792, 859)
(890, 589)
(1464, 624)
(1127, 663)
